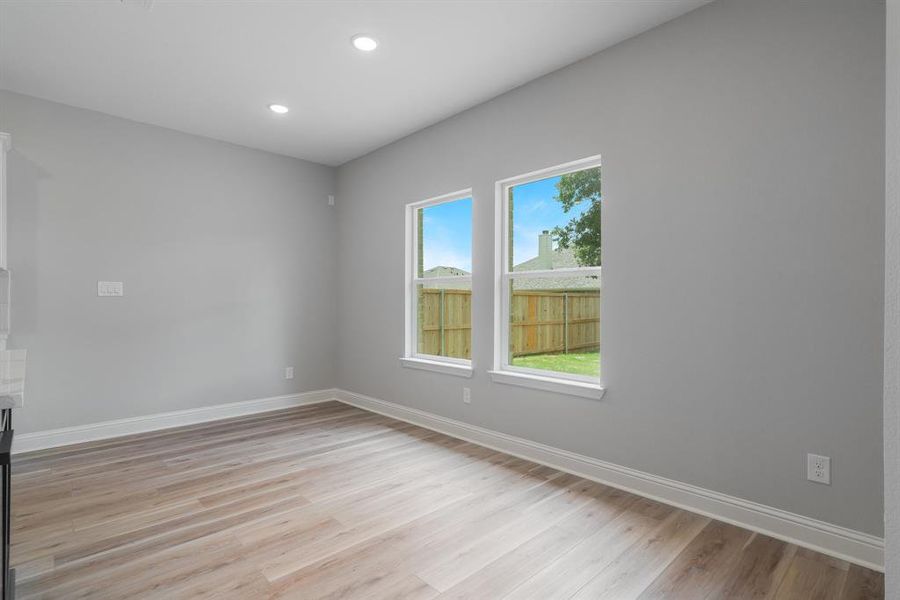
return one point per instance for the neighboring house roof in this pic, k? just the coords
(548, 259)
(561, 258)
(442, 271)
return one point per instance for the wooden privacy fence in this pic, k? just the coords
(445, 322)
(541, 322)
(546, 322)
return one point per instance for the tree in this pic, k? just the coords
(581, 233)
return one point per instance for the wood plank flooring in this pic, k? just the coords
(328, 501)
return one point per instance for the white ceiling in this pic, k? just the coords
(212, 67)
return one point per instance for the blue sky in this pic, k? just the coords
(447, 235)
(448, 227)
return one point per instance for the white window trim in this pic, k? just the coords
(548, 384)
(411, 358)
(503, 372)
(438, 366)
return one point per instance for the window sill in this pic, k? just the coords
(549, 384)
(437, 366)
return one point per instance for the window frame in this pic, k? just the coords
(503, 371)
(411, 356)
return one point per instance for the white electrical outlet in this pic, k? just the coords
(289, 372)
(818, 468)
(110, 288)
(330, 200)
(467, 395)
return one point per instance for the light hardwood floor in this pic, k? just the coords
(329, 501)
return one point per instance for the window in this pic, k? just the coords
(439, 284)
(549, 264)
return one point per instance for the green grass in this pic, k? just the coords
(583, 363)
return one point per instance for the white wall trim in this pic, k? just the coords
(51, 438)
(892, 303)
(847, 544)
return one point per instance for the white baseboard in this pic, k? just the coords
(51, 438)
(853, 546)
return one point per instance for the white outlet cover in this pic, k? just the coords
(289, 372)
(818, 468)
(110, 288)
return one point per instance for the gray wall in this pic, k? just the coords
(892, 308)
(227, 255)
(743, 250)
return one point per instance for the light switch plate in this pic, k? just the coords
(110, 288)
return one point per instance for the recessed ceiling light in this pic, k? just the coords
(279, 109)
(364, 43)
